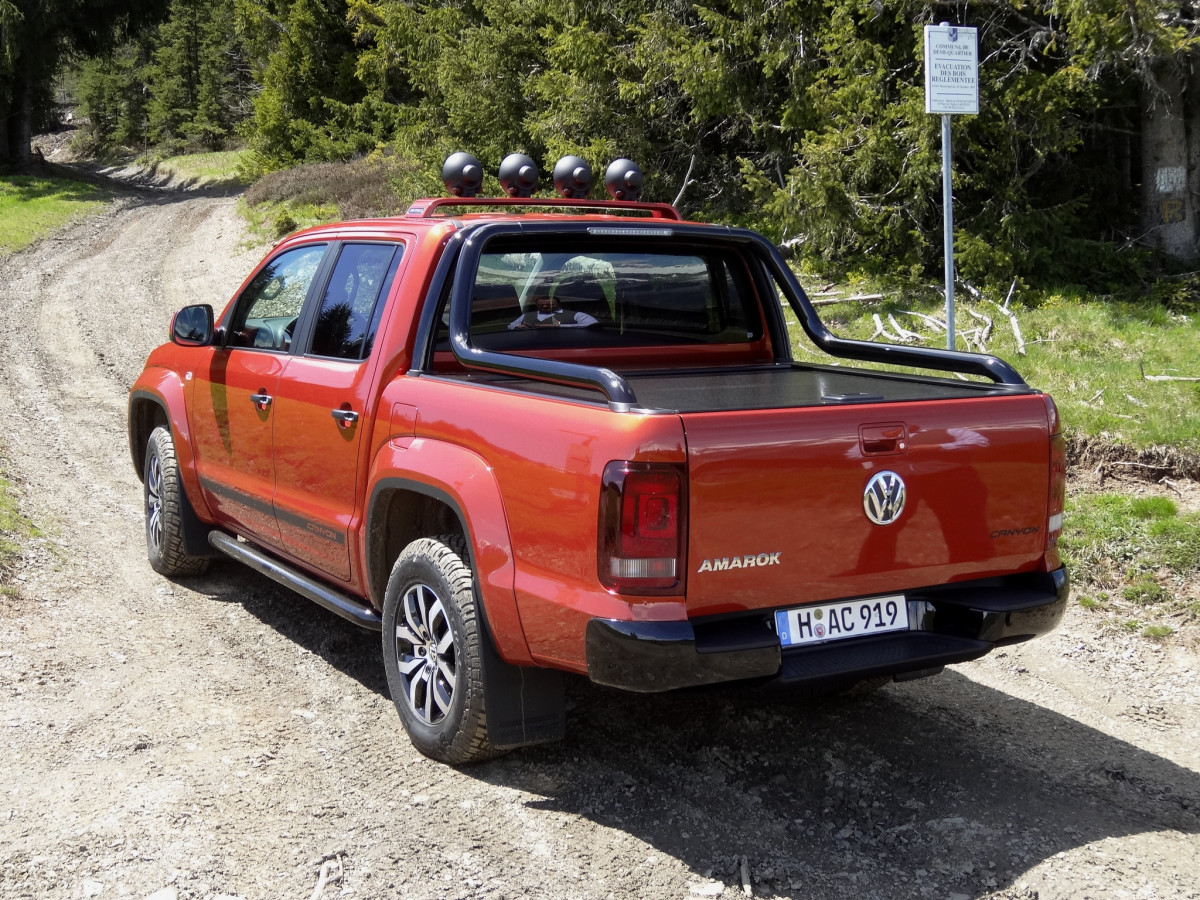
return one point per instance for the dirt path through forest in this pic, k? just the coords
(223, 738)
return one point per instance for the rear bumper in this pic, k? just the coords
(951, 624)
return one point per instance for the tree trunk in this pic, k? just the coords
(20, 123)
(1168, 207)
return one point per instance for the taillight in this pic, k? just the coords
(1058, 479)
(643, 511)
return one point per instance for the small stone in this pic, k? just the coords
(709, 889)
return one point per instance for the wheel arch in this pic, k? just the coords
(455, 494)
(147, 411)
(158, 399)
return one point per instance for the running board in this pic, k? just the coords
(333, 600)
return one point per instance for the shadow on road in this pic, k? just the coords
(931, 788)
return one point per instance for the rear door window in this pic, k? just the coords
(354, 299)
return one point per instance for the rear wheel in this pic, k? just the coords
(165, 501)
(432, 651)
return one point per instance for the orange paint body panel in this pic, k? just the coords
(790, 483)
(765, 492)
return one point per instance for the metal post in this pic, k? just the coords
(948, 230)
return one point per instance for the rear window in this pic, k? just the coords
(614, 297)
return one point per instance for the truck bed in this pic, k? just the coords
(765, 387)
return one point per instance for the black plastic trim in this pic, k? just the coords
(464, 261)
(524, 705)
(953, 623)
(350, 608)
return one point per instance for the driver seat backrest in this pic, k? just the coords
(581, 292)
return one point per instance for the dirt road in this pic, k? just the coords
(223, 738)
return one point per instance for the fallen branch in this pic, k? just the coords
(1016, 326)
(905, 334)
(747, 887)
(1012, 287)
(1169, 483)
(1146, 377)
(932, 321)
(987, 324)
(860, 297)
(327, 875)
(825, 301)
(880, 331)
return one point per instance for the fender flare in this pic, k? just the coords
(164, 389)
(464, 482)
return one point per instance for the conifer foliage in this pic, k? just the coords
(805, 119)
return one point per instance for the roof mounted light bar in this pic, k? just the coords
(431, 208)
(462, 174)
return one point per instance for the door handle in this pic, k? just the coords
(261, 400)
(345, 417)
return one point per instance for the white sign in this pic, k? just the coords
(951, 70)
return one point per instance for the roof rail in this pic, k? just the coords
(425, 209)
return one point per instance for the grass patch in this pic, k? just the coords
(309, 195)
(1157, 632)
(32, 206)
(13, 530)
(1138, 553)
(1088, 352)
(221, 167)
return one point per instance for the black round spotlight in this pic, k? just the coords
(624, 180)
(572, 177)
(518, 175)
(462, 174)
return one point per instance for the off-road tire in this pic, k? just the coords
(164, 505)
(441, 633)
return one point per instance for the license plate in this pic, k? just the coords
(838, 621)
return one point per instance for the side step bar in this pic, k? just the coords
(322, 594)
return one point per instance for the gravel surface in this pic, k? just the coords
(221, 738)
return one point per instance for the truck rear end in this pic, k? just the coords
(822, 524)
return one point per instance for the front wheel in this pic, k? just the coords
(165, 505)
(432, 651)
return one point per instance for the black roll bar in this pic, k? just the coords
(465, 248)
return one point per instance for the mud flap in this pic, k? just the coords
(524, 705)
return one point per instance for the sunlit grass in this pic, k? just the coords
(1132, 555)
(218, 167)
(31, 207)
(1090, 354)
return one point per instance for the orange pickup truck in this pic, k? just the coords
(522, 437)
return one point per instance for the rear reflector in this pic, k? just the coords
(1057, 500)
(643, 512)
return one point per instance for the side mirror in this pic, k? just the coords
(193, 326)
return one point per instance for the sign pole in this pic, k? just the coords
(948, 229)
(951, 88)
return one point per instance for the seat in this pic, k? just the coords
(581, 292)
(493, 307)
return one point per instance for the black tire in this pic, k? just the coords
(432, 651)
(165, 504)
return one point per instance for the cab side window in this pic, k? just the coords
(354, 299)
(269, 307)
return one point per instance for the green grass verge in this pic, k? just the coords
(1133, 559)
(1090, 354)
(13, 529)
(272, 220)
(31, 206)
(219, 168)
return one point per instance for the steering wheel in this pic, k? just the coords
(288, 329)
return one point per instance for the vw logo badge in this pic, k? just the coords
(883, 500)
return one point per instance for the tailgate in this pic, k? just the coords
(778, 513)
